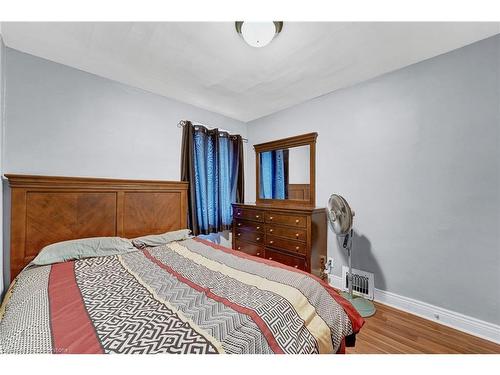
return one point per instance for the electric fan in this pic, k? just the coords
(341, 217)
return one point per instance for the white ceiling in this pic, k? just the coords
(208, 65)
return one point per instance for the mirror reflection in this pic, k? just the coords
(284, 173)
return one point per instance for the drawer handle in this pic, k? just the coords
(257, 216)
(239, 247)
(297, 221)
(270, 230)
(239, 224)
(296, 247)
(258, 228)
(239, 234)
(270, 258)
(257, 239)
(258, 254)
(271, 242)
(296, 266)
(270, 217)
(297, 235)
(239, 213)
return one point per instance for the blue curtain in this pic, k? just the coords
(216, 161)
(274, 174)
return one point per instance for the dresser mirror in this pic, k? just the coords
(285, 171)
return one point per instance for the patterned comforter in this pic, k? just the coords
(184, 297)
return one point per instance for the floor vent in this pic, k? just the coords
(362, 282)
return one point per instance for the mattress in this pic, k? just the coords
(189, 296)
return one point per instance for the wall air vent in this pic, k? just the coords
(362, 282)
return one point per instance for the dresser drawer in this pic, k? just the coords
(248, 214)
(299, 221)
(248, 226)
(255, 237)
(250, 249)
(289, 260)
(285, 244)
(287, 232)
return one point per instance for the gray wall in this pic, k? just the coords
(62, 121)
(417, 154)
(2, 66)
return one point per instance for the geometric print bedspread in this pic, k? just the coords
(190, 296)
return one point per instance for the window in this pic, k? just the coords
(212, 163)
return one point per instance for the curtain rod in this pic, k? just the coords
(181, 123)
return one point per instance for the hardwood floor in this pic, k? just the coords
(397, 332)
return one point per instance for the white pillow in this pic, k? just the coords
(154, 240)
(83, 248)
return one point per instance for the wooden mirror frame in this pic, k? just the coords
(308, 139)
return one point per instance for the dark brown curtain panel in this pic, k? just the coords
(237, 141)
(187, 173)
(212, 163)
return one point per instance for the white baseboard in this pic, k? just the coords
(461, 322)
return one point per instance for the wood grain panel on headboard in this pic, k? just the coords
(46, 209)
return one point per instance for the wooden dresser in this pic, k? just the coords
(295, 236)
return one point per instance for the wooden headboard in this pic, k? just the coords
(46, 209)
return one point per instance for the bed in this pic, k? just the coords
(187, 295)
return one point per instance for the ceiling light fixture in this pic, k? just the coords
(258, 34)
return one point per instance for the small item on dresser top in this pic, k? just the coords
(341, 217)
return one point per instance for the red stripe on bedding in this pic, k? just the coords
(342, 347)
(356, 320)
(273, 344)
(72, 330)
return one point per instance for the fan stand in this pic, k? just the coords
(363, 306)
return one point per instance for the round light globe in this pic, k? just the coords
(258, 34)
